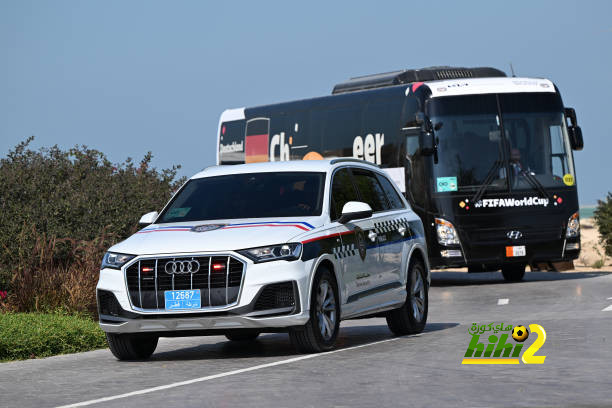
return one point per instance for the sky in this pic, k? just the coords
(127, 77)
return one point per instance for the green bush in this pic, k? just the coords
(71, 197)
(603, 218)
(30, 335)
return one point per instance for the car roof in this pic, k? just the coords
(325, 165)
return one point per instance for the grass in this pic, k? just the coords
(35, 335)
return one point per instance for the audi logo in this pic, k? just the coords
(514, 234)
(189, 266)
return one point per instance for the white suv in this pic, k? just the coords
(268, 247)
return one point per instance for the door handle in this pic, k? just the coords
(372, 235)
(401, 230)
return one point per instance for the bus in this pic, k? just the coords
(484, 159)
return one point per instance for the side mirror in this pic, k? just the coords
(575, 137)
(573, 130)
(355, 210)
(148, 218)
(427, 143)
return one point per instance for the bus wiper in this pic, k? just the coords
(535, 183)
(487, 181)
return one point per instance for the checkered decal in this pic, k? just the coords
(391, 225)
(344, 250)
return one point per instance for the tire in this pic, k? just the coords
(321, 331)
(131, 346)
(412, 316)
(242, 335)
(513, 272)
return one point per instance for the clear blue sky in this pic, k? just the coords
(126, 77)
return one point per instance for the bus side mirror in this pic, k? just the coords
(573, 130)
(575, 137)
(427, 143)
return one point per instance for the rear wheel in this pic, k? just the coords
(131, 346)
(513, 272)
(412, 316)
(321, 331)
(242, 335)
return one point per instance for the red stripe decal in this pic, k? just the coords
(338, 234)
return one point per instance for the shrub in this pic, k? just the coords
(603, 218)
(29, 335)
(59, 211)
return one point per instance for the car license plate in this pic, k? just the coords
(183, 299)
(512, 251)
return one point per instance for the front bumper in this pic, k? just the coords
(494, 253)
(244, 314)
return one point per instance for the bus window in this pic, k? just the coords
(370, 190)
(394, 199)
(343, 191)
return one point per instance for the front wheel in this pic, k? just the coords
(131, 346)
(412, 316)
(321, 331)
(513, 272)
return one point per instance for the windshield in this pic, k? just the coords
(471, 150)
(251, 195)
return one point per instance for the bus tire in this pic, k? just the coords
(321, 331)
(412, 316)
(513, 272)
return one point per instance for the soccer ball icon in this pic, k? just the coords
(520, 333)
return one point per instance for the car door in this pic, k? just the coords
(393, 229)
(357, 255)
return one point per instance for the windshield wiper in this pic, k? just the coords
(487, 181)
(535, 183)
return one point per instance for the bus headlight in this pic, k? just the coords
(447, 235)
(573, 226)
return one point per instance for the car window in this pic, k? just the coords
(394, 199)
(370, 189)
(343, 191)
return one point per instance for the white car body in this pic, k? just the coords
(366, 285)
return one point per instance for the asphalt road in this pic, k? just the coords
(370, 368)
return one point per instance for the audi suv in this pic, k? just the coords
(268, 247)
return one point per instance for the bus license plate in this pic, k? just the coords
(183, 299)
(512, 251)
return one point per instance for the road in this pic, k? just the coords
(370, 368)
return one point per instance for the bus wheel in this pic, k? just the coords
(513, 272)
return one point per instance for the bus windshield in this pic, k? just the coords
(471, 149)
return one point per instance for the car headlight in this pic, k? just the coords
(447, 235)
(115, 261)
(287, 252)
(573, 226)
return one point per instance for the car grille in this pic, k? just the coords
(147, 280)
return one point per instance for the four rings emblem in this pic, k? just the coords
(189, 266)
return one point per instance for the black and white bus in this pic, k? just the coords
(484, 159)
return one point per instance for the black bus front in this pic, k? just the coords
(502, 182)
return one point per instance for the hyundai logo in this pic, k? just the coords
(187, 266)
(514, 234)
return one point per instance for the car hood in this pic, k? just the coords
(216, 236)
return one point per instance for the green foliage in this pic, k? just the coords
(30, 335)
(603, 218)
(77, 194)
